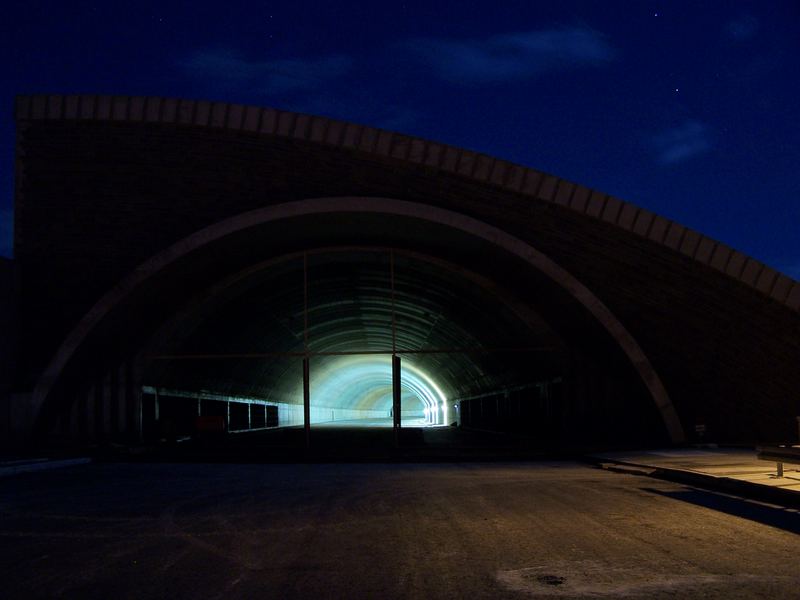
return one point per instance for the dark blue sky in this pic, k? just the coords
(690, 109)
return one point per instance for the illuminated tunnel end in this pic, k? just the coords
(352, 388)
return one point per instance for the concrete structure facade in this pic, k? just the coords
(148, 227)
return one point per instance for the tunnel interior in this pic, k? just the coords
(474, 353)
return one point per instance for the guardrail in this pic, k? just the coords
(779, 455)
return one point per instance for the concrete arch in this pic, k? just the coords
(508, 243)
(481, 168)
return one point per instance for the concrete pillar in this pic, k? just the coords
(112, 402)
(122, 400)
(134, 395)
(396, 389)
(105, 400)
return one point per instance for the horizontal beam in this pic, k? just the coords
(148, 389)
(301, 354)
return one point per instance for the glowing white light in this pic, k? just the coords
(362, 387)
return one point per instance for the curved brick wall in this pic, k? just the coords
(466, 163)
(105, 182)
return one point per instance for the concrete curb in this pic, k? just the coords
(747, 489)
(17, 467)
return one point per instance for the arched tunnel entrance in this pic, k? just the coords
(349, 312)
(317, 299)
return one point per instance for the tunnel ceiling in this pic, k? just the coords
(472, 339)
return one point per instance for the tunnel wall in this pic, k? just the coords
(7, 343)
(107, 182)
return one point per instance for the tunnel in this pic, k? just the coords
(480, 337)
(185, 267)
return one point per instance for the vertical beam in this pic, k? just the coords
(133, 402)
(306, 404)
(396, 408)
(122, 401)
(396, 405)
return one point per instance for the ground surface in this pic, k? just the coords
(501, 530)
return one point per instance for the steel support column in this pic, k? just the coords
(306, 404)
(396, 404)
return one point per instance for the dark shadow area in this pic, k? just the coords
(345, 444)
(775, 516)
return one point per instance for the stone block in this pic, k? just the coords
(137, 108)
(285, 123)
(466, 163)
(515, 178)
(219, 112)
(302, 126)
(269, 121)
(450, 159)
(434, 154)
(252, 114)
(318, 127)
(793, 298)
(235, 117)
(690, 241)
(720, 257)
(643, 222)
(152, 110)
(627, 216)
(752, 269)
(704, 249)
(400, 146)
(483, 167)
(736, 264)
(351, 135)
(55, 105)
(39, 107)
(202, 113)
(335, 132)
(563, 194)
(169, 110)
(612, 209)
(499, 171)
(384, 145)
(416, 152)
(185, 112)
(548, 188)
(658, 229)
(766, 279)
(589, 201)
(783, 285)
(674, 235)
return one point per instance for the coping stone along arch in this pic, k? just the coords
(450, 159)
(369, 205)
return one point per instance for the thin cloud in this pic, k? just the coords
(266, 76)
(513, 56)
(681, 143)
(742, 28)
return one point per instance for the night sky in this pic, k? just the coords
(690, 109)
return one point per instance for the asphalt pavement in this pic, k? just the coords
(450, 530)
